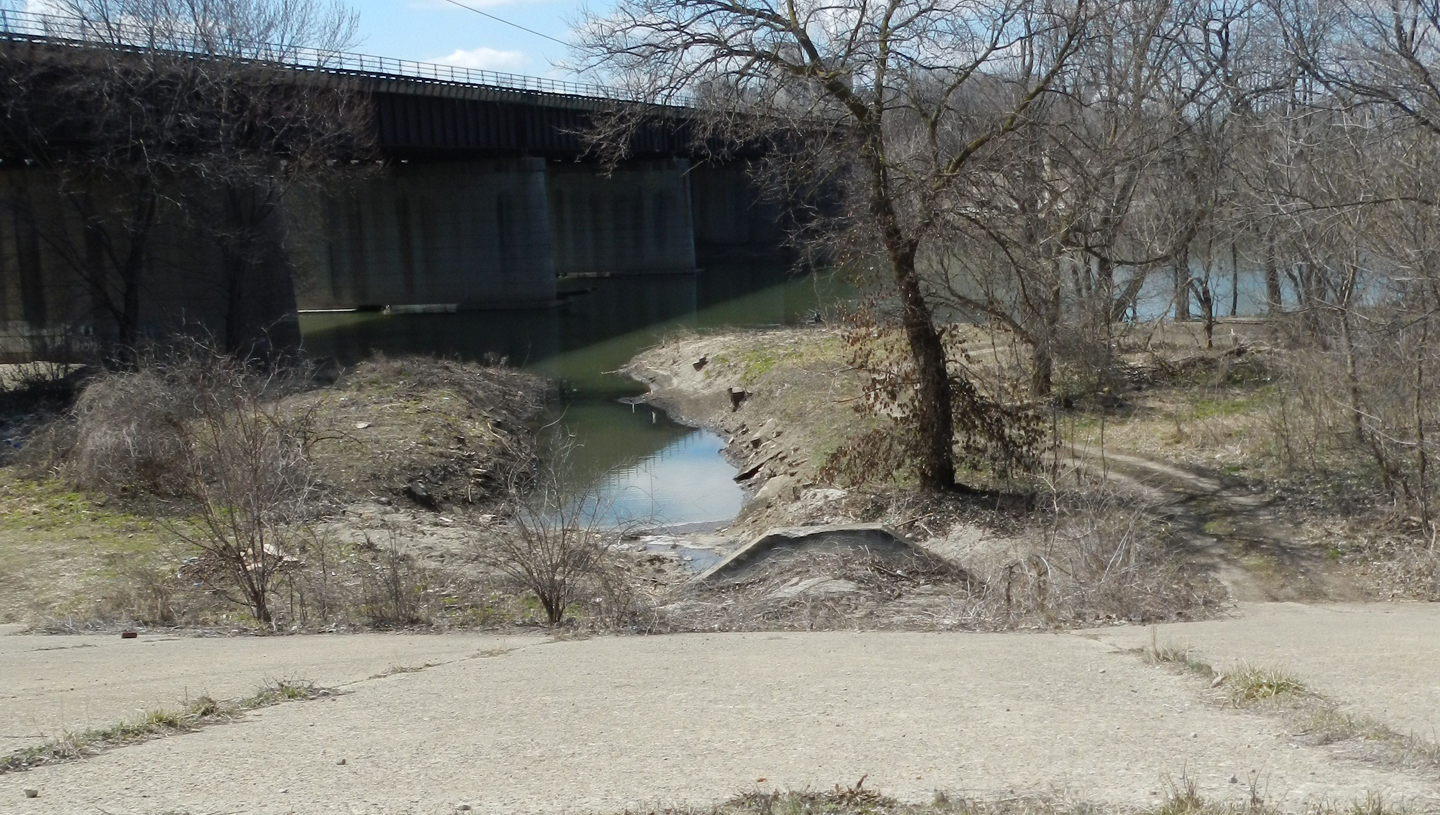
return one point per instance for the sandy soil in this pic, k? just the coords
(602, 724)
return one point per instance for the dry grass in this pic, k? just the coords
(392, 422)
(89, 522)
(192, 716)
(1311, 716)
(1182, 798)
(1095, 561)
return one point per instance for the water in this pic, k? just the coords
(647, 467)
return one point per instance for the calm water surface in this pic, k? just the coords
(647, 467)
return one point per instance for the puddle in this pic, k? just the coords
(696, 560)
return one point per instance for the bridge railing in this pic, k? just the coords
(80, 31)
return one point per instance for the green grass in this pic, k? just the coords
(1219, 406)
(753, 363)
(60, 552)
(157, 724)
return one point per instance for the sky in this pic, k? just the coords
(436, 31)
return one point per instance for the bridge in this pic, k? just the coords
(486, 197)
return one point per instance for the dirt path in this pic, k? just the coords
(1229, 530)
(603, 724)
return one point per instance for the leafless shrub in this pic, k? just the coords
(1099, 560)
(393, 586)
(549, 549)
(148, 592)
(556, 536)
(242, 461)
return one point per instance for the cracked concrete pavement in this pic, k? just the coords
(598, 725)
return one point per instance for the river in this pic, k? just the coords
(646, 467)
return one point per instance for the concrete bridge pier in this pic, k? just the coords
(464, 233)
(226, 276)
(635, 220)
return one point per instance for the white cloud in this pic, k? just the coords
(486, 59)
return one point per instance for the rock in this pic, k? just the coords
(779, 488)
(700, 363)
(737, 395)
(872, 540)
(129, 635)
(420, 494)
(1234, 780)
(464, 807)
(823, 495)
(341, 762)
(361, 425)
(32, 793)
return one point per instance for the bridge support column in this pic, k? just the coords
(731, 216)
(228, 278)
(465, 233)
(634, 221)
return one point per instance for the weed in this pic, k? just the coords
(1180, 657)
(1313, 717)
(1183, 798)
(193, 715)
(1249, 684)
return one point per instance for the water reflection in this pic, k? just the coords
(647, 465)
(679, 484)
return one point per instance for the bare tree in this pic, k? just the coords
(898, 103)
(557, 533)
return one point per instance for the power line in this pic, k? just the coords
(506, 22)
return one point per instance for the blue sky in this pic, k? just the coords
(435, 31)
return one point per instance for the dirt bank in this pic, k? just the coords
(399, 447)
(781, 398)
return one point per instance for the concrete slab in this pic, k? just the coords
(50, 685)
(1379, 659)
(604, 724)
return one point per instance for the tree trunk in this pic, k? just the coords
(935, 419)
(1042, 350)
(1182, 287)
(1234, 280)
(1352, 375)
(1422, 458)
(1272, 279)
(1207, 309)
(131, 273)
